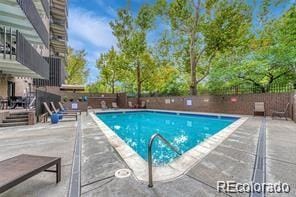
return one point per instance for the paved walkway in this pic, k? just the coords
(281, 153)
(41, 139)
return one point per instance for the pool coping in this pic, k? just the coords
(178, 166)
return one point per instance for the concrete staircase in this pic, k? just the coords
(15, 119)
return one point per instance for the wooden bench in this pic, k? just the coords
(22, 167)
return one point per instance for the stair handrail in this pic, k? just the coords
(153, 137)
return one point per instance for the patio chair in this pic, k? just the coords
(64, 115)
(22, 167)
(59, 111)
(143, 104)
(259, 107)
(17, 101)
(130, 104)
(114, 105)
(68, 110)
(281, 114)
(103, 105)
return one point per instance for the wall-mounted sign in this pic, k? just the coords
(74, 106)
(233, 99)
(206, 100)
(188, 102)
(167, 101)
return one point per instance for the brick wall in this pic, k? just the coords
(120, 99)
(239, 104)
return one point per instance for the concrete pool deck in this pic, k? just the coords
(233, 159)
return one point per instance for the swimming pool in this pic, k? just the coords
(183, 130)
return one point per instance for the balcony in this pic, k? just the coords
(56, 73)
(46, 7)
(32, 14)
(59, 9)
(19, 58)
(22, 15)
(58, 26)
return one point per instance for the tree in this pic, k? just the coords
(76, 67)
(271, 57)
(112, 68)
(205, 29)
(131, 35)
(95, 87)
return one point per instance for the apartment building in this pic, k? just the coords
(33, 45)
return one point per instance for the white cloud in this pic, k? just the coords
(94, 30)
(107, 8)
(90, 32)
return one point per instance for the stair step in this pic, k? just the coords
(18, 113)
(15, 120)
(16, 116)
(13, 124)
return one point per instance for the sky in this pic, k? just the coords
(89, 27)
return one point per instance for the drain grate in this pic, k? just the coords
(259, 173)
(123, 173)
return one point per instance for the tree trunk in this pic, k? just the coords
(139, 85)
(113, 89)
(113, 83)
(193, 88)
(193, 60)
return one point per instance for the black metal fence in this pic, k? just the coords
(251, 89)
(42, 96)
(235, 90)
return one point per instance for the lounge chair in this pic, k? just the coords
(259, 107)
(65, 115)
(68, 110)
(143, 104)
(281, 114)
(103, 105)
(130, 104)
(22, 167)
(114, 105)
(59, 111)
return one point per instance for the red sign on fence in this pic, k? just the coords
(233, 99)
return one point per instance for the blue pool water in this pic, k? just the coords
(183, 130)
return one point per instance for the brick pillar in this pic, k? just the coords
(31, 118)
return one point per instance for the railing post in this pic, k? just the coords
(11, 43)
(150, 162)
(150, 184)
(4, 42)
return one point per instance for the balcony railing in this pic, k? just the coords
(46, 7)
(14, 46)
(31, 12)
(56, 73)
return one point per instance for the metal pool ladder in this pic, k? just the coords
(150, 153)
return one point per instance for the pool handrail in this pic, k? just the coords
(150, 153)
